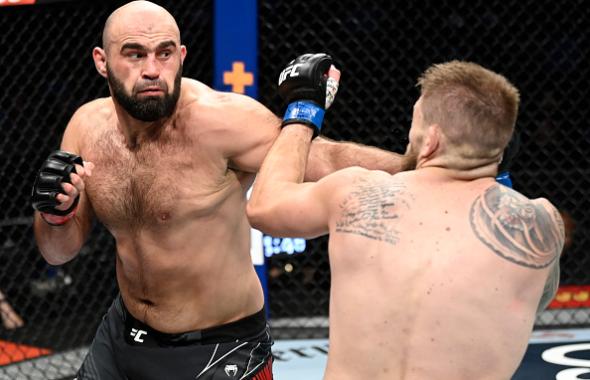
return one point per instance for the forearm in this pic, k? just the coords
(326, 156)
(283, 167)
(58, 244)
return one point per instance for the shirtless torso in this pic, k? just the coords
(437, 273)
(176, 207)
(451, 274)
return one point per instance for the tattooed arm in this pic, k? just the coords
(552, 283)
(550, 287)
(529, 233)
(526, 232)
(281, 204)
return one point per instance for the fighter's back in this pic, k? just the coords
(435, 278)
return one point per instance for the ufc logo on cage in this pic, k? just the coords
(289, 70)
(137, 334)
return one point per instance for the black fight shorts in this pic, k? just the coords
(127, 349)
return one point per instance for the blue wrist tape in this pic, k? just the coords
(304, 112)
(504, 179)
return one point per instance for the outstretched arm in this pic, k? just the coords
(280, 204)
(279, 201)
(248, 145)
(327, 156)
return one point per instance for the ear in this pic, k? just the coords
(182, 53)
(432, 141)
(100, 61)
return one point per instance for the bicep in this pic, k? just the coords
(301, 209)
(297, 210)
(250, 130)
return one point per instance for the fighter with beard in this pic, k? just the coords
(167, 164)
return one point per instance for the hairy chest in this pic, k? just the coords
(159, 182)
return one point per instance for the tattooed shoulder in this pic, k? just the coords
(370, 207)
(517, 229)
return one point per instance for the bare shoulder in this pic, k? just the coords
(344, 181)
(355, 180)
(198, 93)
(346, 176)
(86, 122)
(193, 89)
(368, 202)
(223, 110)
(359, 177)
(526, 232)
(94, 111)
(335, 186)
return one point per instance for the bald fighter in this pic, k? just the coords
(437, 273)
(164, 163)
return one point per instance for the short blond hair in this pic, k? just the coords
(476, 108)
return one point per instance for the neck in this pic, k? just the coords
(481, 170)
(136, 131)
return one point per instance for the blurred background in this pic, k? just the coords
(381, 46)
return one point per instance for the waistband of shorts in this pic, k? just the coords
(247, 327)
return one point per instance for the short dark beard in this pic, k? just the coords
(149, 108)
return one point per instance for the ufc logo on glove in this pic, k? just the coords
(292, 69)
(309, 84)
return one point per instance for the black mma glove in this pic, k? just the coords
(55, 170)
(305, 85)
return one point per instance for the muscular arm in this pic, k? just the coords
(250, 129)
(327, 156)
(551, 287)
(552, 283)
(524, 232)
(280, 204)
(60, 244)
